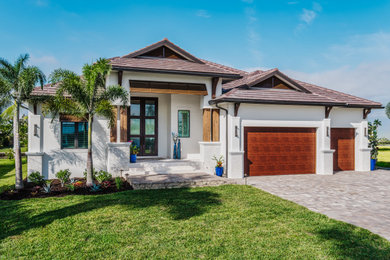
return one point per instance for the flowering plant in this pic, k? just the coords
(219, 161)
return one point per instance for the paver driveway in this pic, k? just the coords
(359, 198)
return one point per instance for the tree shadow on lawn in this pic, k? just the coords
(6, 168)
(350, 242)
(181, 204)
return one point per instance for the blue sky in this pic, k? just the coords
(344, 45)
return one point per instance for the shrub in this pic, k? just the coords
(47, 187)
(37, 179)
(102, 176)
(95, 187)
(94, 172)
(70, 187)
(106, 184)
(10, 154)
(118, 183)
(63, 175)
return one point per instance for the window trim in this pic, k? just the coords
(76, 134)
(189, 123)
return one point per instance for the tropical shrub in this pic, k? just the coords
(37, 179)
(118, 183)
(63, 175)
(103, 176)
(70, 187)
(373, 137)
(105, 184)
(95, 187)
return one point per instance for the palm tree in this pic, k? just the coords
(17, 81)
(388, 110)
(85, 97)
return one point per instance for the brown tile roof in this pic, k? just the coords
(278, 96)
(239, 90)
(171, 66)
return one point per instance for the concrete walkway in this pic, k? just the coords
(175, 180)
(359, 198)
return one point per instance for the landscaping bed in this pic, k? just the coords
(57, 190)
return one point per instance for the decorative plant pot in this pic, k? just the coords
(133, 158)
(373, 164)
(219, 171)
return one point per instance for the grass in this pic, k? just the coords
(5, 149)
(229, 221)
(7, 172)
(384, 156)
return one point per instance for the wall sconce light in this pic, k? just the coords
(327, 131)
(35, 130)
(236, 131)
(365, 132)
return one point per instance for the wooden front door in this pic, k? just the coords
(343, 142)
(279, 150)
(143, 125)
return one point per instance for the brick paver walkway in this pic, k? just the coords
(359, 198)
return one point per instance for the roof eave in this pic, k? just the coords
(279, 102)
(197, 73)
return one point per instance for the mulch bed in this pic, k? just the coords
(32, 191)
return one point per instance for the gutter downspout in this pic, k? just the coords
(227, 137)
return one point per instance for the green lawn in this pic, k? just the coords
(229, 221)
(22, 149)
(384, 156)
(7, 172)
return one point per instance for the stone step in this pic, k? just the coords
(164, 167)
(169, 181)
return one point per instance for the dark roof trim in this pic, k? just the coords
(281, 76)
(165, 42)
(197, 73)
(276, 102)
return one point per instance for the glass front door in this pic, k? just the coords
(143, 125)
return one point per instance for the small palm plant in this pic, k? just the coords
(16, 84)
(85, 97)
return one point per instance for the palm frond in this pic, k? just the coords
(114, 92)
(388, 110)
(8, 113)
(29, 77)
(20, 63)
(105, 109)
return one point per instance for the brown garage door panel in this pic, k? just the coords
(343, 142)
(274, 151)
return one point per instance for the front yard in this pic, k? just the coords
(384, 156)
(7, 173)
(226, 222)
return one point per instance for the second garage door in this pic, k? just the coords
(276, 151)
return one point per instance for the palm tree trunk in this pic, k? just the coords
(89, 156)
(18, 160)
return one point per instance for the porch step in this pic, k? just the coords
(164, 166)
(169, 181)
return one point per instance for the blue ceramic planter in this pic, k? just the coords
(133, 158)
(373, 164)
(219, 171)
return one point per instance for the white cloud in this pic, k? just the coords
(203, 13)
(292, 2)
(308, 16)
(253, 37)
(358, 48)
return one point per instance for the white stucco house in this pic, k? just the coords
(262, 122)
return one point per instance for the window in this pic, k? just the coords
(183, 123)
(74, 135)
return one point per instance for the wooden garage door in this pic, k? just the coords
(343, 142)
(275, 151)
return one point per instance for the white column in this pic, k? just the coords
(118, 124)
(325, 154)
(35, 143)
(362, 151)
(236, 156)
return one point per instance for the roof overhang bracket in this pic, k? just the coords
(120, 76)
(214, 82)
(327, 111)
(236, 107)
(366, 111)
